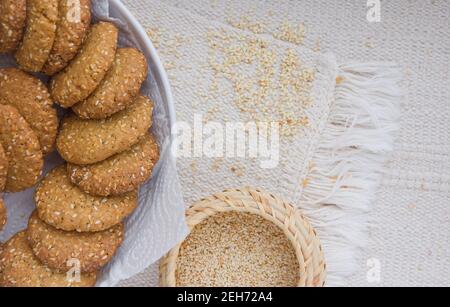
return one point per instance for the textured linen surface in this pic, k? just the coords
(411, 233)
(202, 176)
(192, 59)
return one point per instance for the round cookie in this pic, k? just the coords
(12, 23)
(31, 98)
(64, 206)
(33, 52)
(119, 174)
(55, 248)
(120, 86)
(22, 150)
(20, 268)
(87, 70)
(70, 32)
(87, 141)
(3, 215)
(3, 168)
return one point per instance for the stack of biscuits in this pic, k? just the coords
(104, 138)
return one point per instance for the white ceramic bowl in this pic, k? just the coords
(20, 205)
(118, 10)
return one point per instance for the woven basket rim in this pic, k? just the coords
(296, 227)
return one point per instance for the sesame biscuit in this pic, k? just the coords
(87, 141)
(64, 206)
(3, 215)
(119, 174)
(3, 168)
(20, 268)
(87, 70)
(22, 150)
(33, 51)
(71, 29)
(12, 23)
(31, 98)
(120, 86)
(55, 248)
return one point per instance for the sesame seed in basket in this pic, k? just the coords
(245, 238)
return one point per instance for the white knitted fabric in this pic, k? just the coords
(411, 221)
(411, 233)
(338, 158)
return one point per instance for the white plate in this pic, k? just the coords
(159, 221)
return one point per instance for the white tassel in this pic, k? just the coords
(349, 162)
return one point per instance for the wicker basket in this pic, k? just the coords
(303, 237)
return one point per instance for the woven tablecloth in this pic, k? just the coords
(409, 241)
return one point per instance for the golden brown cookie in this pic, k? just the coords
(20, 268)
(118, 89)
(33, 51)
(71, 29)
(64, 206)
(12, 23)
(119, 174)
(22, 150)
(3, 216)
(3, 168)
(87, 70)
(31, 98)
(87, 141)
(56, 248)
